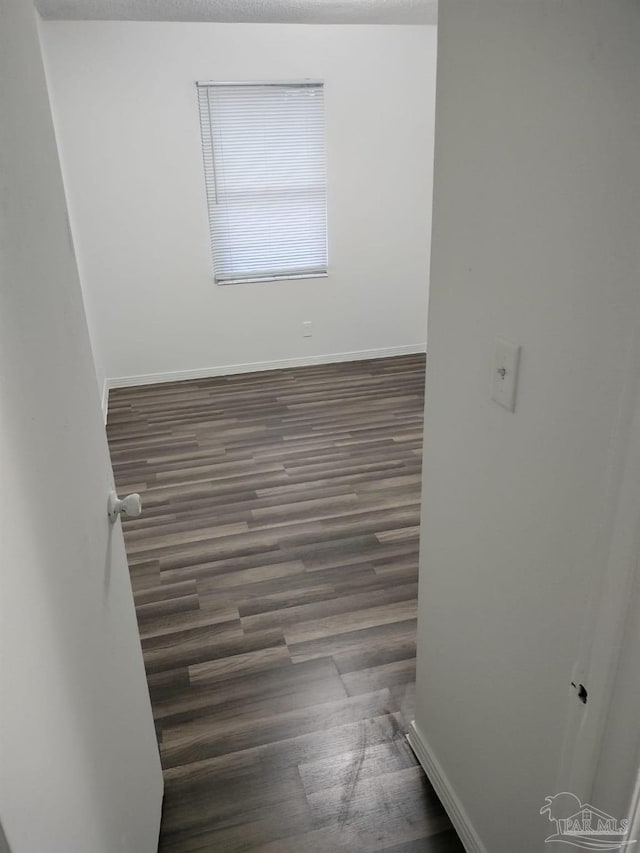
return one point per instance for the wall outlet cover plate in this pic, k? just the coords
(505, 374)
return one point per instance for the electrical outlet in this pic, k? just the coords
(307, 331)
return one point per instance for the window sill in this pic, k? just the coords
(292, 277)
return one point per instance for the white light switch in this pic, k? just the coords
(505, 374)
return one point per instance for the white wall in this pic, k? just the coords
(79, 765)
(126, 117)
(535, 238)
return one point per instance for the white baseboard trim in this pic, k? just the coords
(105, 399)
(252, 367)
(448, 797)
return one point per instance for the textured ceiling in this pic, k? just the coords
(246, 11)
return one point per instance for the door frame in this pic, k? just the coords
(610, 600)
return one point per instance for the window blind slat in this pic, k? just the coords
(265, 175)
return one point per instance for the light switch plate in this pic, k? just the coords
(505, 374)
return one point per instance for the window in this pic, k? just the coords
(264, 163)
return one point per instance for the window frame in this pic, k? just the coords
(211, 202)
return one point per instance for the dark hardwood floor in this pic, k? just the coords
(275, 575)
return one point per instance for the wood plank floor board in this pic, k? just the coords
(199, 741)
(195, 649)
(274, 572)
(344, 604)
(169, 625)
(338, 771)
(249, 702)
(358, 640)
(292, 751)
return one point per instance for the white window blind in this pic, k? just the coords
(264, 163)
